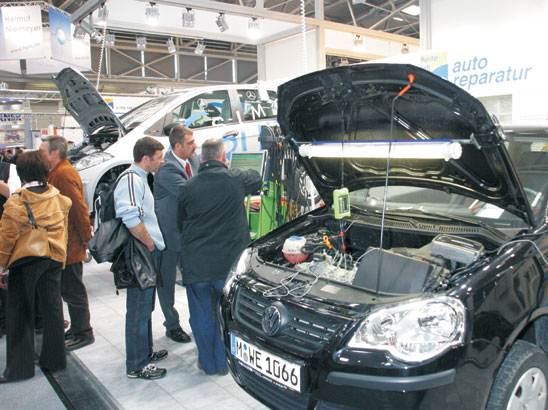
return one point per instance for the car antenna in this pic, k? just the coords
(411, 78)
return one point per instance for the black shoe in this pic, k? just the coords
(223, 372)
(149, 372)
(157, 356)
(178, 335)
(78, 341)
(3, 379)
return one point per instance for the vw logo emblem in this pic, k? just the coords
(251, 95)
(272, 320)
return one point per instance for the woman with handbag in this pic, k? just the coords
(33, 246)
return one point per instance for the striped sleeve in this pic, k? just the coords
(128, 198)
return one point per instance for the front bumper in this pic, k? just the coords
(365, 381)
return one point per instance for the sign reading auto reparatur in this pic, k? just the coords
(21, 28)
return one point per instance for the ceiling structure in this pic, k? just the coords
(228, 56)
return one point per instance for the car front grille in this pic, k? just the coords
(306, 333)
(270, 393)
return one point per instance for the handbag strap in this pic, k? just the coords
(31, 216)
(32, 221)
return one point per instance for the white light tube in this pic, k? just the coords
(400, 149)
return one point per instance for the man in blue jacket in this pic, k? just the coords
(134, 203)
(211, 216)
(180, 165)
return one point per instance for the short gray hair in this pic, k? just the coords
(212, 149)
(56, 142)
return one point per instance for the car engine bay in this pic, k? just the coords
(412, 260)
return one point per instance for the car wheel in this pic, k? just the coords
(521, 382)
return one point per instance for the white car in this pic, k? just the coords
(234, 113)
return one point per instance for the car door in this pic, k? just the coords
(256, 107)
(209, 114)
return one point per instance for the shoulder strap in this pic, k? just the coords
(31, 216)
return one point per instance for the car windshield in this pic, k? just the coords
(141, 113)
(431, 203)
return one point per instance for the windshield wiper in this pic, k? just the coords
(443, 216)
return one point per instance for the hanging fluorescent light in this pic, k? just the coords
(171, 46)
(253, 29)
(110, 39)
(359, 45)
(200, 47)
(152, 13)
(188, 18)
(413, 10)
(141, 42)
(400, 149)
(221, 22)
(102, 15)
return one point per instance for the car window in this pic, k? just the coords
(204, 110)
(143, 112)
(529, 154)
(426, 200)
(257, 106)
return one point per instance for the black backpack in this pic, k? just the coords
(111, 235)
(104, 204)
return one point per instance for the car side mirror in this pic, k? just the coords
(167, 128)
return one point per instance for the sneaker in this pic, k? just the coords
(149, 372)
(79, 341)
(157, 356)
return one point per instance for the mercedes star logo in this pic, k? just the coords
(251, 95)
(271, 320)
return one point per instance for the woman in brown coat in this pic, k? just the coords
(33, 274)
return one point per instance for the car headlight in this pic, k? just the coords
(238, 268)
(91, 160)
(414, 331)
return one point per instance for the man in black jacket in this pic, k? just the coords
(211, 217)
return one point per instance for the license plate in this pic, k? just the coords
(273, 367)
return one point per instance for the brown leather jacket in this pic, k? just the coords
(67, 180)
(49, 208)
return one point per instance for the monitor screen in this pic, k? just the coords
(248, 160)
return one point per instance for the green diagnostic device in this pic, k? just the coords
(341, 203)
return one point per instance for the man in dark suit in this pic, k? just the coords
(180, 165)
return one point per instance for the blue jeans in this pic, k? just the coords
(139, 307)
(203, 304)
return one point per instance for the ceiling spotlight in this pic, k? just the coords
(109, 40)
(221, 22)
(98, 37)
(171, 46)
(253, 30)
(79, 33)
(152, 13)
(200, 47)
(102, 15)
(141, 42)
(405, 49)
(188, 18)
(359, 45)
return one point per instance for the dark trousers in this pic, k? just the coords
(3, 301)
(166, 292)
(75, 295)
(44, 277)
(139, 307)
(203, 304)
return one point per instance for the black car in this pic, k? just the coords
(426, 287)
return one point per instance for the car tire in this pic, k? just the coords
(522, 380)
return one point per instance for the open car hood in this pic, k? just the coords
(354, 104)
(84, 102)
